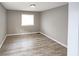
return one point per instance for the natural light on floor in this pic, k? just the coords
(27, 20)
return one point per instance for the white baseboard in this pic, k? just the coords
(32, 33)
(54, 40)
(3, 41)
(22, 33)
(14, 34)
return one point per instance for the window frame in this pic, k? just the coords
(33, 19)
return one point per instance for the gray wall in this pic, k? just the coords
(54, 23)
(2, 24)
(14, 23)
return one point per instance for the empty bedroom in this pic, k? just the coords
(33, 28)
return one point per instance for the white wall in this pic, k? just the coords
(2, 24)
(73, 29)
(14, 23)
(54, 23)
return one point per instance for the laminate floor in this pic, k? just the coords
(31, 45)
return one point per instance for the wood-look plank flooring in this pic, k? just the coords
(31, 45)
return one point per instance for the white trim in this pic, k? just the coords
(22, 33)
(3, 41)
(33, 33)
(54, 40)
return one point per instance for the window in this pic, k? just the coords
(27, 20)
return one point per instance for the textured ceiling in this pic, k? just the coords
(25, 6)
